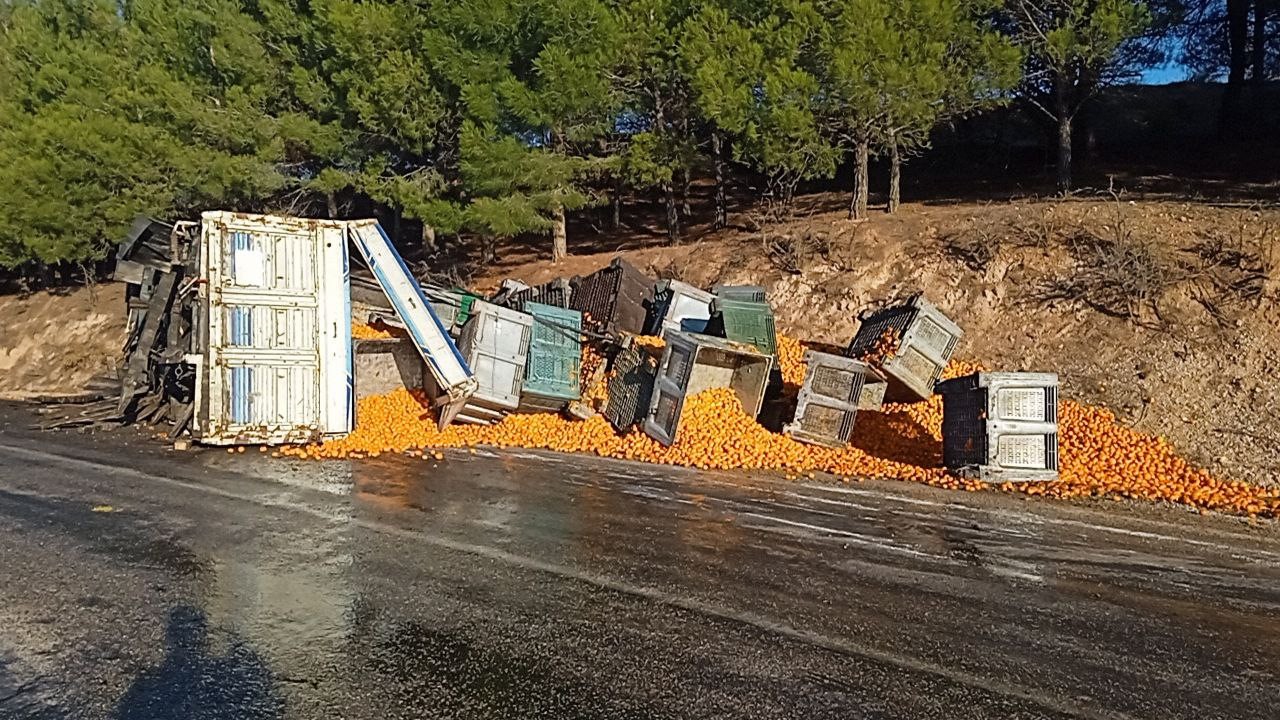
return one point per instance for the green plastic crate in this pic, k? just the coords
(464, 307)
(745, 322)
(555, 353)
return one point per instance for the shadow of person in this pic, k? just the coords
(192, 684)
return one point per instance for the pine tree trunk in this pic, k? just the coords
(686, 209)
(722, 204)
(1237, 64)
(673, 214)
(332, 201)
(1064, 151)
(429, 237)
(861, 159)
(895, 175)
(616, 202)
(559, 236)
(1259, 62)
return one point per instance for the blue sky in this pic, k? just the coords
(1163, 74)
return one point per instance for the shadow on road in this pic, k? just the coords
(193, 684)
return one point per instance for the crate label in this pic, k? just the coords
(924, 370)
(934, 336)
(1023, 451)
(1021, 404)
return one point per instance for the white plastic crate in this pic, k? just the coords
(829, 399)
(694, 363)
(495, 343)
(680, 307)
(1001, 427)
(925, 340)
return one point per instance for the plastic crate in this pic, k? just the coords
(746, 293)
(552, 373)
(829, 399)
(925, 338)
(693, 363)
(874, 387)
(453, 307)
(556, 293)
(613, 300)
(1001, 427)
(679, 307)
(495, 343)
(744, 321)
(630, 388)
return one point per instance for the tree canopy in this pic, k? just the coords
(489, 118)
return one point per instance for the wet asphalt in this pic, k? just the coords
(140, 583)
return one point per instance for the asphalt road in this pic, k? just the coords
(136, 583)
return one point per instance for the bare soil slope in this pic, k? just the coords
(1165, 312)
(53, 343)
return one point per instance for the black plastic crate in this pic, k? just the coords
(613, 300)
(1001, 427)
(630, 388)
(556, 293)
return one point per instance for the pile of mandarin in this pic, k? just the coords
(1099, 456)
(378, 331)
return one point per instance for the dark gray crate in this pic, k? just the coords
(745, 293)
(1001, 427)
(744, 321)
(926, 340)
(556, 293)
(630, 388)
(614, 300)
(829, 399)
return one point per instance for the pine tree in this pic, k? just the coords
(656, 110)
(748, 81)
(1071, 48)
(105, 114)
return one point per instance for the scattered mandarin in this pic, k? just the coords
(1099, 457)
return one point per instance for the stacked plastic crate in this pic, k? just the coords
(553, 372)
(1002, 426)
(495, 344)
(834, 389)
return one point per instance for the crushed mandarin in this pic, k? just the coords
(1099, 456)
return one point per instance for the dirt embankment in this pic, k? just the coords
(1164, 312)
(53, 343)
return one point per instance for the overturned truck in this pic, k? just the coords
(240, 329)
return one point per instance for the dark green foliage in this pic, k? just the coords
(475, 117)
